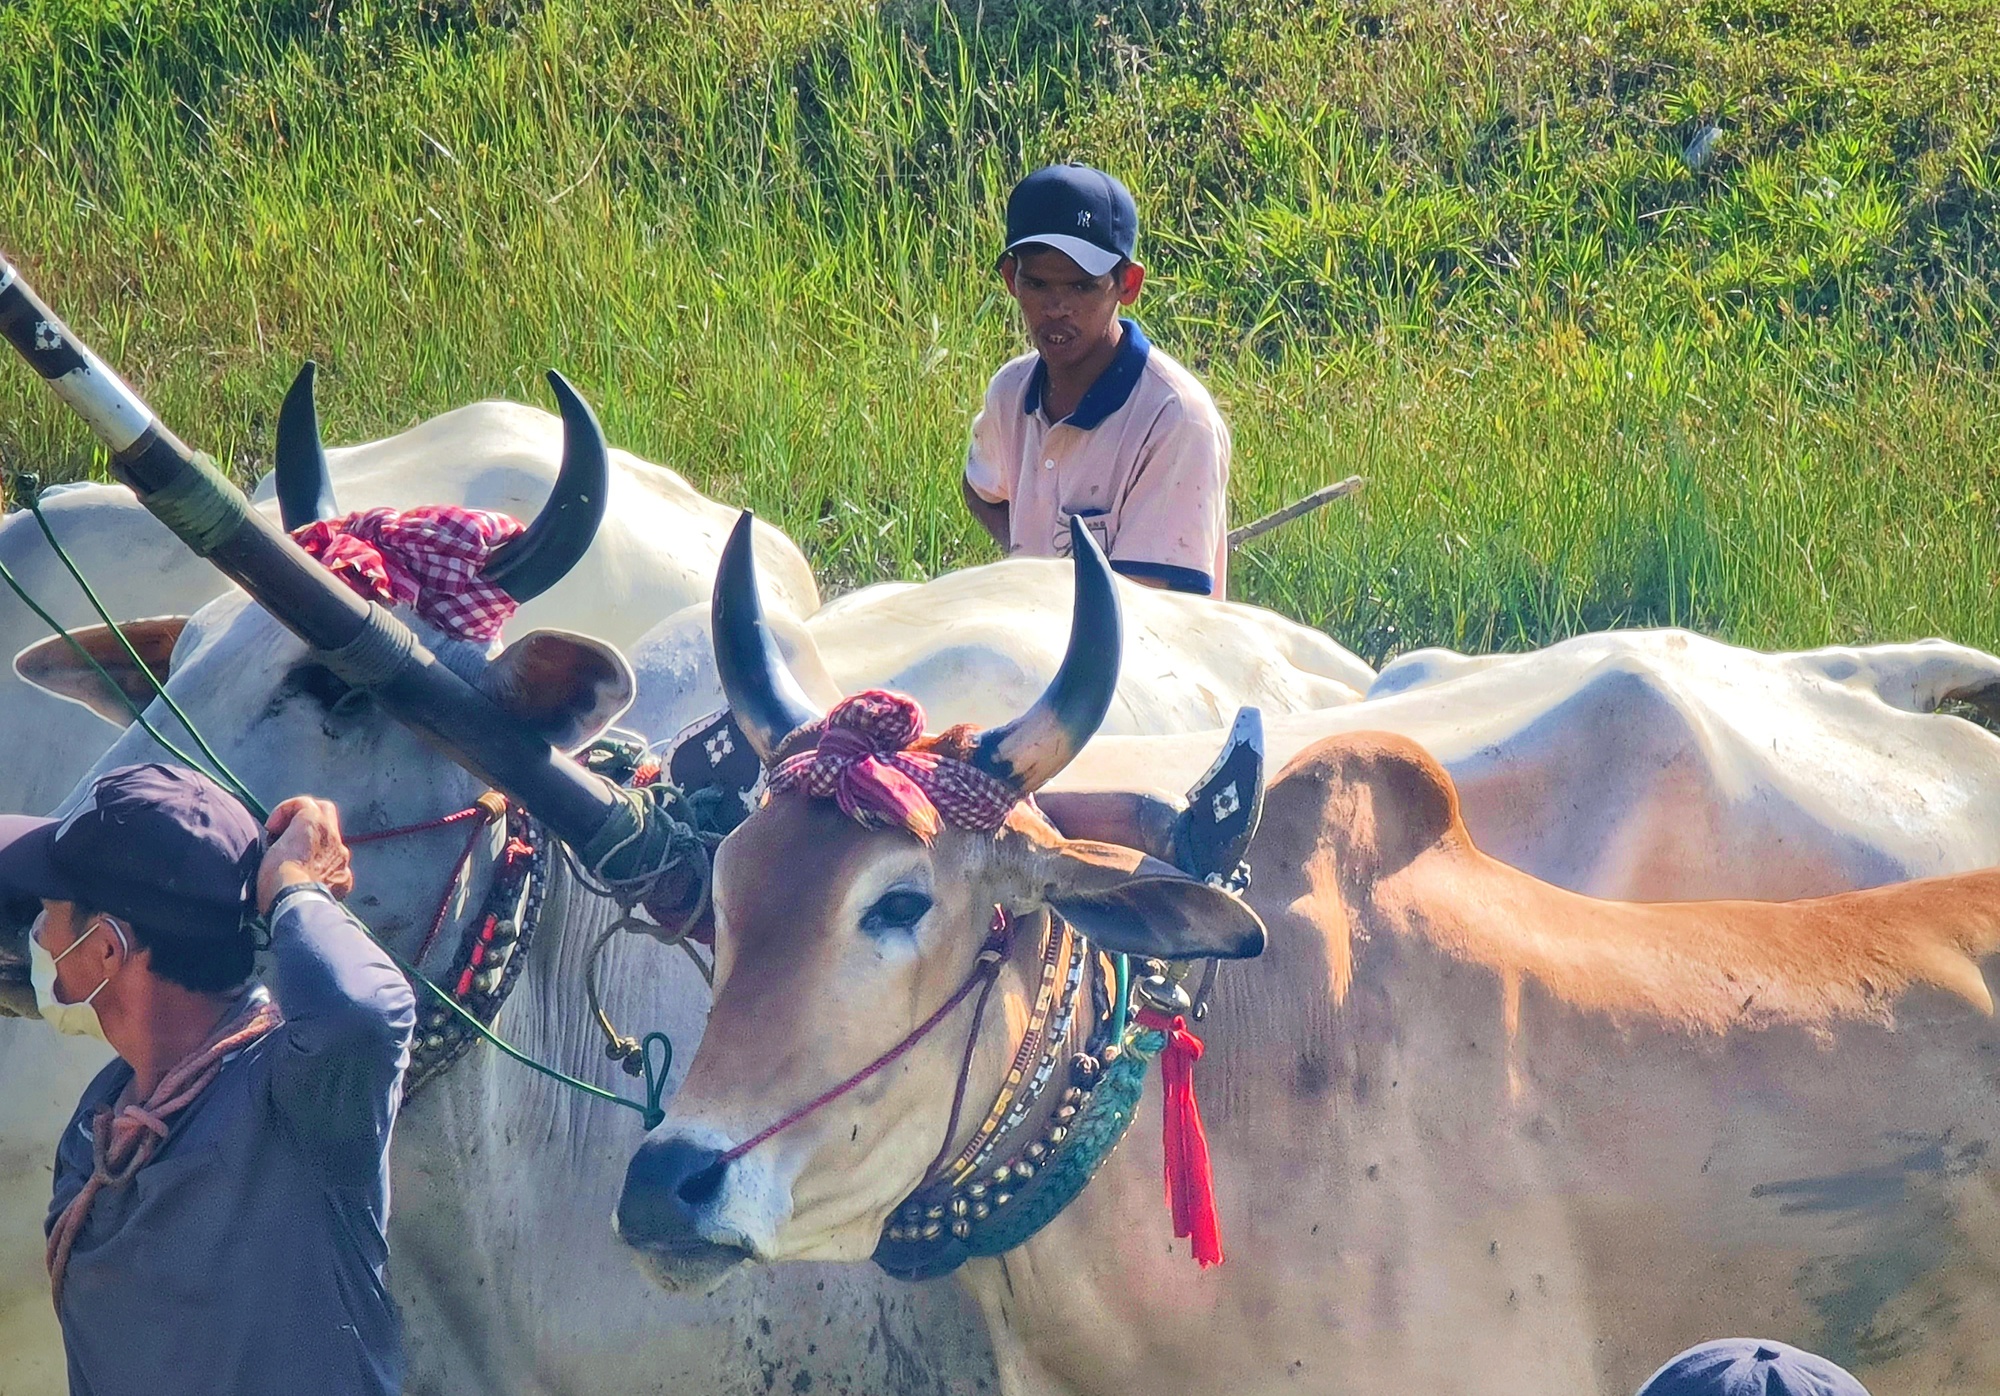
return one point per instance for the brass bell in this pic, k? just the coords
(961, 1228)
(959, 1206)
(1001, 1174)
(1001, 1199)
(1066, 1114)
(980, 1212)
(1057, 1134)
(934, 1213)
(1024, 1169)
(933, 1230)
(975, 1191)
(1035, 1151)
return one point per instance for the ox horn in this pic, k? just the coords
(530, 563)
(1030, 750)
(305, 487)
(764, 697)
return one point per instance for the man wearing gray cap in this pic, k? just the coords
(222, 1192)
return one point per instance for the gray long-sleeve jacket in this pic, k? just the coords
(247, 1256)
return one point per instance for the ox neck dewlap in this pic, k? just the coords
(1006, 1183)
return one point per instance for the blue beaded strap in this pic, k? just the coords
(1020, 1207)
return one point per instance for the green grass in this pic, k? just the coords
(1453, 246)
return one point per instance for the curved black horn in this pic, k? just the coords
(305, 488)
(1027, 752)
(764, 698)
(530, 563)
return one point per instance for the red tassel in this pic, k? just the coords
(1190, 1180)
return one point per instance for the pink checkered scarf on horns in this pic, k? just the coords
(871, 762)
(428, 558)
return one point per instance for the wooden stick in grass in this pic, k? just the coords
(1325, 495)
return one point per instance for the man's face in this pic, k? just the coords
(59, 929)
(1069, 314)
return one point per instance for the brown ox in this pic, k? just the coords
(1472, 1133)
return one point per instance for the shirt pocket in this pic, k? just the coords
(1098, 521)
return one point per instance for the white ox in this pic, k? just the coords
(138, 569)
(1474, 1133)
(1661, 765)
(655, 552)
(975, 645)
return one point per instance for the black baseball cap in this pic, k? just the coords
(1751, 1367)
(1083, 213)
(161, 846)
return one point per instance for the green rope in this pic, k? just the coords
(649, 1110)
(30, 487)
(138, 716)
(656, 1077)
(1121, 996)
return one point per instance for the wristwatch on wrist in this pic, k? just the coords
(292, 890)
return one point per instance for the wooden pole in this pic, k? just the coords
(1318, 499)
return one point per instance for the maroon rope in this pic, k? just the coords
(487, 808)
(992, 955)
(441, 822)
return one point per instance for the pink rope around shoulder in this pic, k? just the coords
(123, 1140)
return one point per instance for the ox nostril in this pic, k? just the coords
(700, 1189)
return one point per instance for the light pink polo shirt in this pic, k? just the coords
(1143, 461)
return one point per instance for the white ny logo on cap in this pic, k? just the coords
(1083, 218)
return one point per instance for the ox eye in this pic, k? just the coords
(897, 910)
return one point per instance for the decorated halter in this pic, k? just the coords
(872, 758)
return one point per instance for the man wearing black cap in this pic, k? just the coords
(1096, 424)
(221, 1192)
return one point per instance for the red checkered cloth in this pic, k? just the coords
(869, 760)
(428, 558)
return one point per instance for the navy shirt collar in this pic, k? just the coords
(1112, 389)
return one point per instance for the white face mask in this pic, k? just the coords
(77, 1019)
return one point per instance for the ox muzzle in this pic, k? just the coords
(672, 1210)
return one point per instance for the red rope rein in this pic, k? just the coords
(487, 809)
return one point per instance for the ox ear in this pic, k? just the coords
(1135, 905)
(567, 688)
(51, 665)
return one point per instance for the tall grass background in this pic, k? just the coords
(1631, 312)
